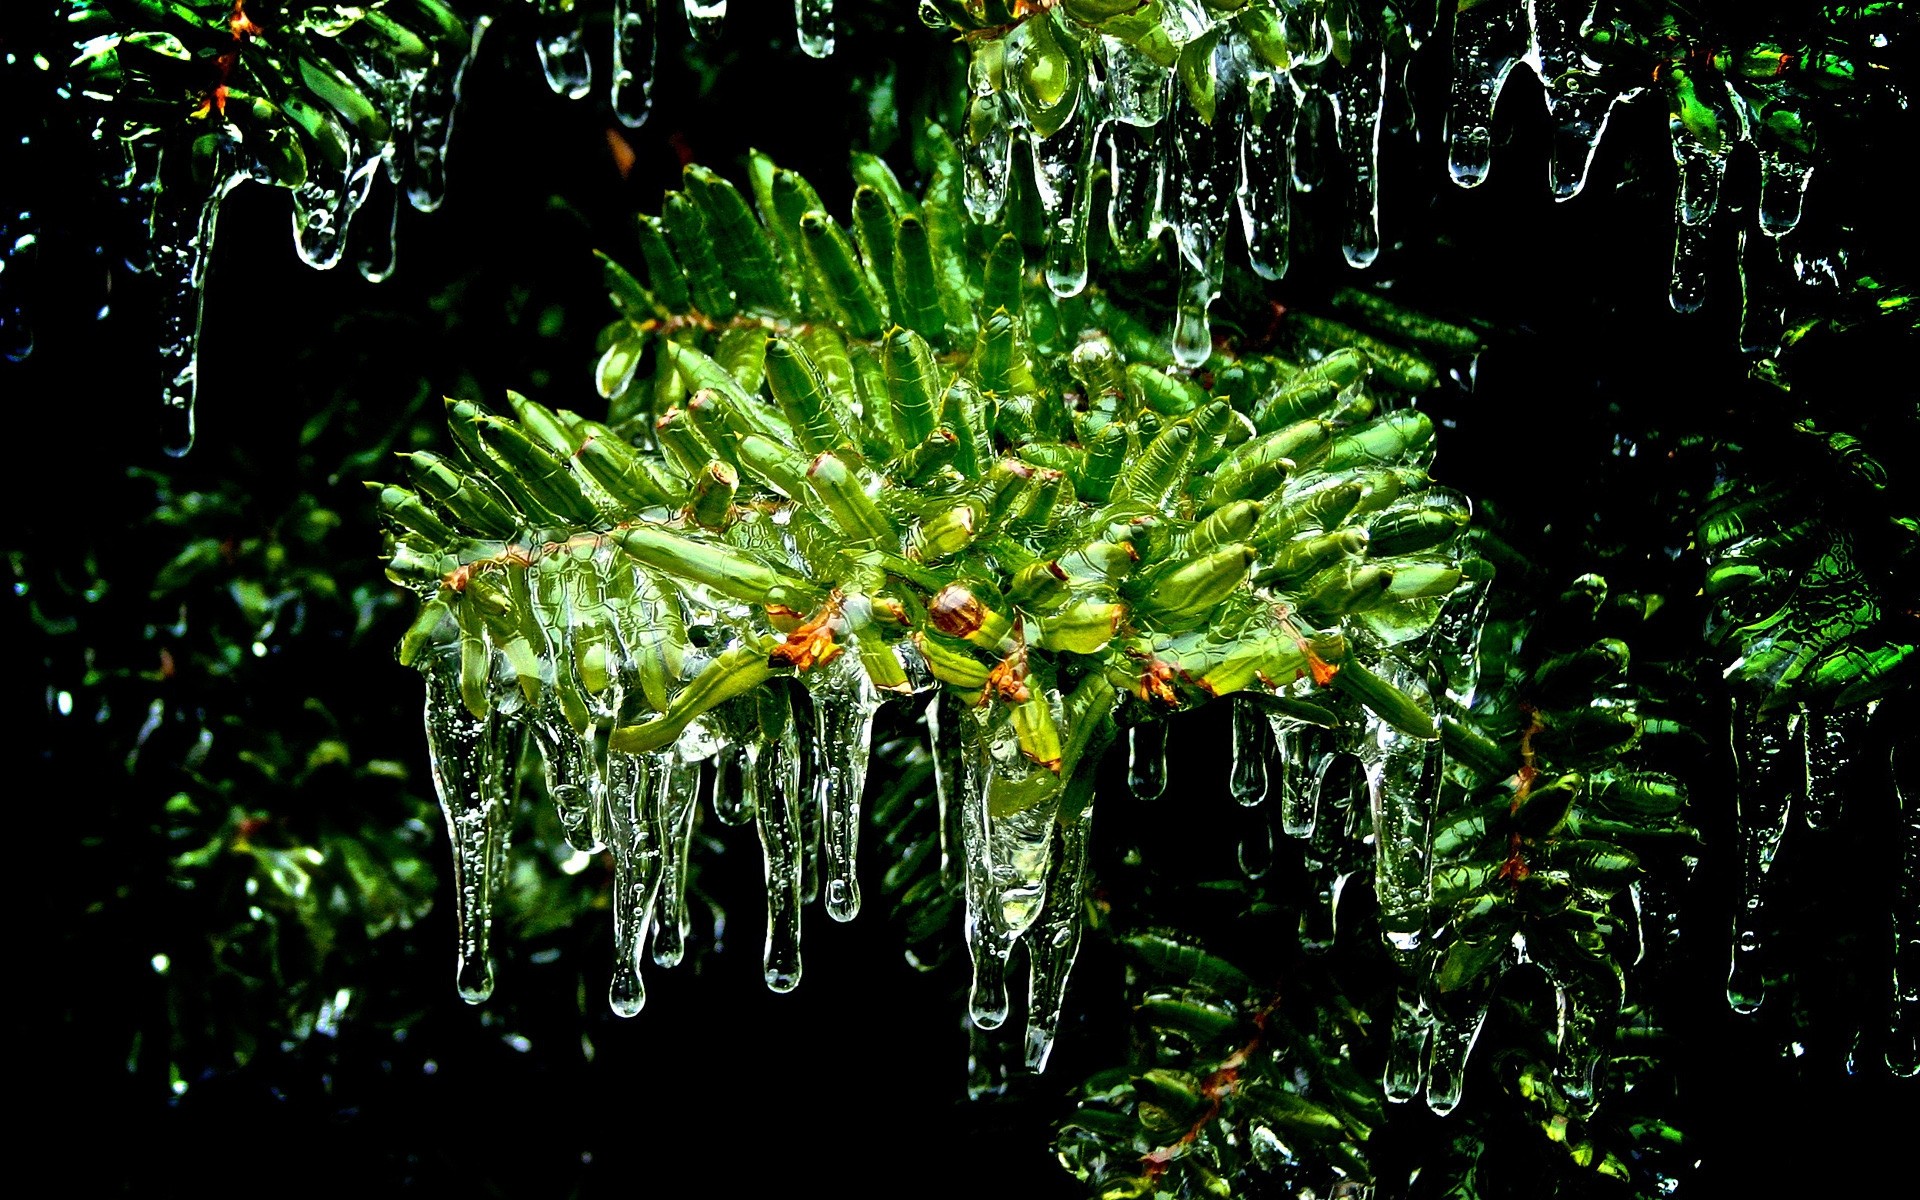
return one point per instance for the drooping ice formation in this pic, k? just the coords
(1202, 111)
(336, 105)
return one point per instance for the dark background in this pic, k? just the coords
(856, 1081)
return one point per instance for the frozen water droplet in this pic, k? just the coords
(1311, 141)
(815, 21)
(634, 50)
(987, 151)
(562, 45)
(1299, 766)
(1454, 1033)
(1784, 175)
(704, 18)
(1402, 779)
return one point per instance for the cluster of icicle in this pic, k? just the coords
(1367, 801)
(1717, 100)
(1796, 763)
(1270, 129)
(1265, 99)
(346, 108)
(1822, 685)
(566, 59)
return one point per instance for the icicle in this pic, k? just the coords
(1247, 776)
(1687, 291)
(434, 103)
(1262, 194)
(1055, 942)
(470, 769)
(633, 835)
(324, 205)
(1147, 759)
(1331, 861)
(734, 797)
(1312, 135)
(1784, 175)
(567, 765)
(1022, 801)
(1903, 1016)
(988, 943)
(1578, 106)
(1133, 206)
(180, 252)
(563, 48)
(1402, 775)
(1451, 1045)
(1062, 170)
(1359, 97)
(773, 763)
(704, 18)
(1488, 39)
(1701, 168)
(633, 53)
(1765, 782)
(1192, 324)
(676, 797)
(1405, 1075)
(1578, 1067)
(1300, 770)
(381, 254)
(843, 716)
(1206, 159)
(815, 21)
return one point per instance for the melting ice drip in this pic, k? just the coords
(343, 108)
